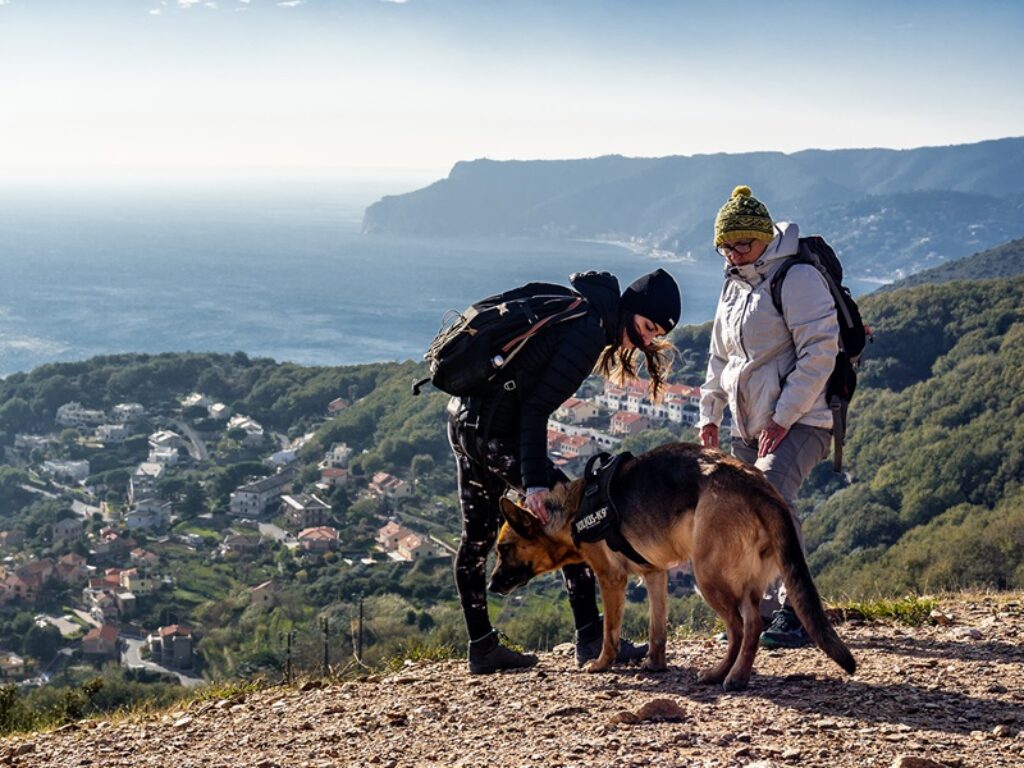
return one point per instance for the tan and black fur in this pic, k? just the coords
(680, 502)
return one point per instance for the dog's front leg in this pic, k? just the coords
(613, 595)
(657, 596)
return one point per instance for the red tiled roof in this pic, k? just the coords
(320, 533)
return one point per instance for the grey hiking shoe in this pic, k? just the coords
(487, 656)
(590, 638)
(785, 631)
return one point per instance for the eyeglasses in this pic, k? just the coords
(742, 247)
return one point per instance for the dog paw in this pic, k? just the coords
(710, 677)
(650, 665)
(735, 683)
(597, 666)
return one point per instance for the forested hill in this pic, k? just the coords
(1006, 260)
(936, 447)
(888, 212)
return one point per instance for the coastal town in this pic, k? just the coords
(94, 579)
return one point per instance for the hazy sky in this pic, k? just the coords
(102, 88)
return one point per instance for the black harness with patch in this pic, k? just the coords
(597, 519)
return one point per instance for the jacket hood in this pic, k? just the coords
(785, 243)
(601, 289)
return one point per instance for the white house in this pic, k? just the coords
(143, 481)
(253, 429)
(111, 434)
(252, 499)
(149, 514)
(165, 438)
(218, 411)
(337, 457)
(74, 415)
(196, 398)
(165, 455)
(70, 471)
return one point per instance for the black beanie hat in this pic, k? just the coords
(655, 296)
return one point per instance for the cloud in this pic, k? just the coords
(396, 2)
(291, 3)
(155, 11)
(188, 3)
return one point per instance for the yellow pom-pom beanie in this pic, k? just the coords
(743, 217)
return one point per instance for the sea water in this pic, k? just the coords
(274, 270)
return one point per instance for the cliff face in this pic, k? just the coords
(951, 694)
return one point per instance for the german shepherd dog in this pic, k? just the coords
(679, 502)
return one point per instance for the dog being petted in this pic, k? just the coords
(679, 502)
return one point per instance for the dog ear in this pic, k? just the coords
(519, 519)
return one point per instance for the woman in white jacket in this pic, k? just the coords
(770, 368)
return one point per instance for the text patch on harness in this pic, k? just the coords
(597, 519)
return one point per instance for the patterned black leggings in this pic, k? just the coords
(481, 485)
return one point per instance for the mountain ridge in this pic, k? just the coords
(669, 203)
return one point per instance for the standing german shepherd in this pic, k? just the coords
(679, 502)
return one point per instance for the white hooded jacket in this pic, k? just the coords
(765, 365)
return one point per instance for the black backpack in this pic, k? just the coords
(474, 348)
(853, 334)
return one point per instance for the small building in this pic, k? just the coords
(74, 415)
(576, 411)
(68, 529)
(239, 543)
(334, 477)
(127, 413)
(71, 568)
(336, 406)
(195, 399)
(112, 434)
(12, 541)
(218, 411)
(12, 666)
(100, 643)
(305, 510)
(263, 596)
(390, 534)
(165, 438)
(143, 558)
(251, 500)
(165, 455)
(319, 539)
(628, 423)
(66, 470)
(137, 582)
(171, 646)
(252, 428)
(143, 481)
(337, 457)
(385, 485)
(415, 547)
(576, 446)
(148, 514)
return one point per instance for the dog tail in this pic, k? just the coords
(803, 595)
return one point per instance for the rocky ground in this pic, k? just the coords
(949, 694)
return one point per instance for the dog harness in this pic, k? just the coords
(597, 519)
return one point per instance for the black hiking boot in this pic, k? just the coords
(487, 655)
(590, 638)
(785, 631)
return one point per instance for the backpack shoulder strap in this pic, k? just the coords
(779, 275)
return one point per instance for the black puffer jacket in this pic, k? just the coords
(550, 369)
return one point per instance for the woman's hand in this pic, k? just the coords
(709, 435)
(771, 436)
(536, 502)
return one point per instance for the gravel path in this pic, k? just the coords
(951, 694)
